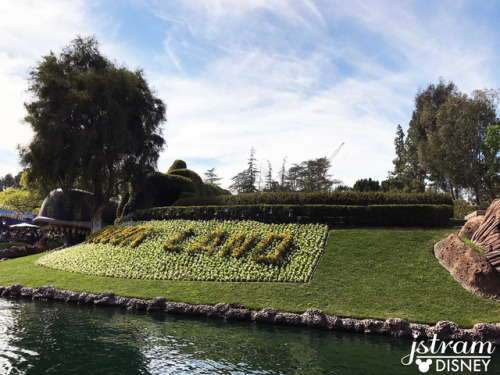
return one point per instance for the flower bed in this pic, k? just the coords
(198, 250)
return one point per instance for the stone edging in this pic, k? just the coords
(313, 318)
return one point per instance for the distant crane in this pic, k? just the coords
(332, 157)
(335, 153)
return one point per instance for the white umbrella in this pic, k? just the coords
(23, 225)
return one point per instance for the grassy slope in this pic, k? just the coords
(363, 273)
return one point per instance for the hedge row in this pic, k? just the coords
(421, 215)
(349, 198)
(462, 208)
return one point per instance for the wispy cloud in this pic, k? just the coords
(291, 78)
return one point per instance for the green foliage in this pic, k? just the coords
(213, 190)
(448, 133)
(261, 254)
(160, 189)
(173, 243)
(285, 253)
(424, 215)
(96, 124)
(192, 176)
(177, 164)
(121, 236)
(329, 198)
(472, 244)
(366, 184)
(8, 245)
(21, 200)
(462, 208)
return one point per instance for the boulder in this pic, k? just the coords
(470, 227)
(447, 331)
(468, 266)
(487, 236)
(397, 327)
(266, 315)
(314, 318)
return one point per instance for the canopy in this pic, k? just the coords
(23, 225)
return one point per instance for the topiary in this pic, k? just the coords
(178, 164)
(193, 176)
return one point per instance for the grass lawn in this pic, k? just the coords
(363, 274)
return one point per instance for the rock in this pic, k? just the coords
(266, 315)
(157, 304)
(470, 227)
(421, 331)
(45, 293)
(468, 266)
(314, 318)
(486, 332)
(13, 291)
(334, 323)
(27, 292)
(288, 319)
(348, 324)
(105, 299)
(176, 307)
(137, 304)
(487, 236)
(66, 295)
(372, 326)
(87, 298)
(397, 327)
(239, 314)
(447, 330)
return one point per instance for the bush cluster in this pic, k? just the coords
(350, 198)
(461, 208)
(422, 215)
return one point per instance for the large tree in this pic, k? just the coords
(97, 126)
(447, 136)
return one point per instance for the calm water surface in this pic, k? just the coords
(39, 337)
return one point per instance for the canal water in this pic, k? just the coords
(39, 337)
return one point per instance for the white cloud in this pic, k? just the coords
(30, 29)
(293, 79)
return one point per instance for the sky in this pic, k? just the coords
(293, 79)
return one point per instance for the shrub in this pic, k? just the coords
(352, 198)
(461, 208)
(192, 176)
(423, 215)
(178, 164)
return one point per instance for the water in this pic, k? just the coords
(39, 337)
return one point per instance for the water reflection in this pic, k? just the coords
(56, 338)
(10, 354)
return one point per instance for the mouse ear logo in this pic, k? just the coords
(424, 366)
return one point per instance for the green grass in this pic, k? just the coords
(470, 243)
(362, 274)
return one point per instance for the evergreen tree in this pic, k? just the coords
(211, 177)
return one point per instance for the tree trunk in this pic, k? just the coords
(96, 223)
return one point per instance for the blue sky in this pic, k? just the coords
(291, 78)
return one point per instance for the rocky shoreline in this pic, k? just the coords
(312, 318)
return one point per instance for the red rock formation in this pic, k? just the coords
(470, 227)
(468, 266)
(487, 236)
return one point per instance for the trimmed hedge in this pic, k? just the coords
(462, 208)
(350, 198)
(421, 215)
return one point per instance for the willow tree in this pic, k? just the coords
(97, 126)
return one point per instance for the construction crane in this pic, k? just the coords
(335, 153)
